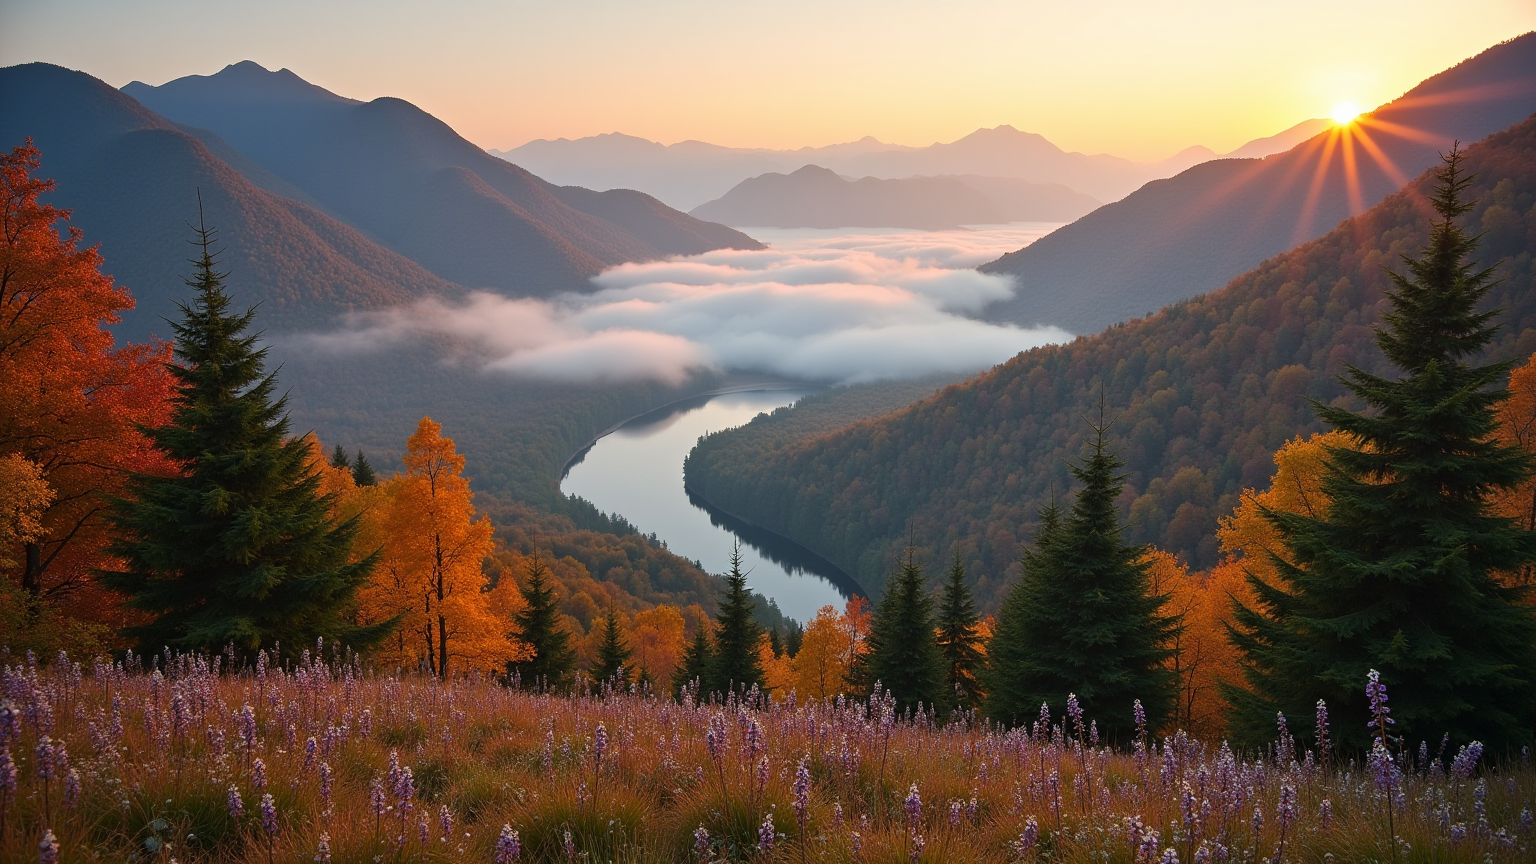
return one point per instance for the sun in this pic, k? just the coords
(1344, 113)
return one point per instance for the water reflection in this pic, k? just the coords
(637, 472)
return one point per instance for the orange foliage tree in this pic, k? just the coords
(657, 641)
(1517, 427)
(821, 666)
(1203, 656)
(70, 401)
(431, 575)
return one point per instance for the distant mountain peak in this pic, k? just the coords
(247, 81)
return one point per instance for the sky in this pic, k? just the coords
(1134, 78)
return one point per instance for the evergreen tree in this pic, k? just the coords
(612, 651)
(339, 458)
(735, 665)
(1082, 619)
(697, 660)
(1008, 652)
(775, 642)
(362, 471)
(1399, 575)
(959, 642)
(793, 637)
(903, 655)
(239, 548)
(538, 625)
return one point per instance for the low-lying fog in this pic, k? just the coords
(847, 306)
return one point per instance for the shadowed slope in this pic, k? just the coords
(132, 179)
(1189, 234)
(409, 180)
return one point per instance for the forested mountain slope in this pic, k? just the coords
(419, 188)
(132, 179)
(1176, 238)
(1202, 393)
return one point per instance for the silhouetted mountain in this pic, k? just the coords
(1258, 148)
(1202, 393)
(1176, 238)
(416, 186)
(132, 179)
(814, 197)
(690, 173)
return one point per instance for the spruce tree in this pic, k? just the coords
(735, 665)
(613, 651)
(959, 641)
(694, 671)
(793, 637)
(1009, 694)
(775, 642)
(362, 471)
(1400, 573)
(538, 625)
(238, 549)
(1082, 619)
(903, 655)
(339, 458)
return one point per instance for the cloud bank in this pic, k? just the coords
(836, 307)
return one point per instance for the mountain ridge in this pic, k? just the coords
(1182, 236)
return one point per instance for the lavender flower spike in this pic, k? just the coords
(508, 847)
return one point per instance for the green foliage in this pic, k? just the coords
(735, 665)
(697, 660)
(339, 458)
(1399, 574)
(1082, 619)
(538, 625)
(239, 549)
(902, 654)
(613, 651)
(1210, 387)
(362, 470)
(959, 641)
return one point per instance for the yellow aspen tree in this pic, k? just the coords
(432, 572)
(821, 666)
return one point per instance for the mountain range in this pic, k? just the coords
(1201, 395)
(690, 173)
(815, 197)
(1176, 238)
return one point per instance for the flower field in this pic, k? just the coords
(182, 759)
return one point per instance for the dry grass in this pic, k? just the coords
(153, 754)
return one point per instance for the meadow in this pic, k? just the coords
(194, 759)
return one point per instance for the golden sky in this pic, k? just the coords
(1139, 79)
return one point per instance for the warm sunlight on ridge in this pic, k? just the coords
(1344, 113)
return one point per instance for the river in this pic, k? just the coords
(636, 471)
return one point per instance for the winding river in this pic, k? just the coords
(636, 471)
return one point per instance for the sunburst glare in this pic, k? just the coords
(1344, 113)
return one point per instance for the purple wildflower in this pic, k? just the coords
(765, 833)
(323, 849)
(1075, 712)
(48, 848)
(914, 807)
(378, 802)
(1285, 812)
(600, 742)
(508, 847)
(1325, 814)
(258, 775)
(701, 843)
(235, 805)
(954, 812)
(71, 789)
(325, 785)
(1029, 836)
(1140, 715)
(1465, 763)
(1376, 695)
(7, 772)
(802, 792)
(445, 821)
(268, 814)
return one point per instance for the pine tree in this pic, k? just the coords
(538, 625)
(613, 651)
(1082, 620)
(1398, 574)
(339, 458)
(239, 548)
(735, 665)
(959, 642)
(695, 669)
(362, 471)
(903, 655)
(793, 637)
(775, 642)
(1008, 652)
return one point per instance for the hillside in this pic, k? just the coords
(1203, 393)
(1176, 238)
(132, 179)
(814, 197)
(417, 187)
